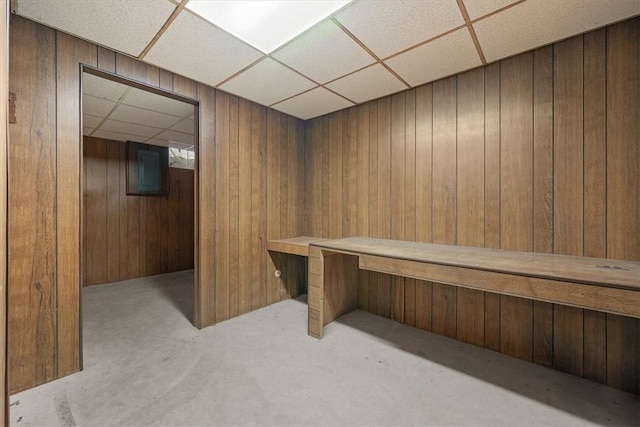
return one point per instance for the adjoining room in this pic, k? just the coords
(421, 212)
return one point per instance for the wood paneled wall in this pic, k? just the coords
(132, 236)
(538, 152)
(249, 188)
(4, 133)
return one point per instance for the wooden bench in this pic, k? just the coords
(606, 285)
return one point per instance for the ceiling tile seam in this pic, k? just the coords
(237, 73)
(422, 43)
(129, 123)
(340, 95)
(311, 28)
(472, 31)
(396, 75)
(110, 112)
(351, 73)
(355, 39)
(293, 96)
(163, 29)
(502, 9)
(369, 51)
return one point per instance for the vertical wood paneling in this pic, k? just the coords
(492, 112)
(234, 214)
(362, 193)
(623, 189)
(444, 196)
(52, 119)
(470, 196)
(32, 266)
(205, 293)
(105, 171)
(543, 193)
(516, 210)
(4, 133)
(71, 51)
(424, 147)
(410, 200)
(398, 142)
(335, 188)
(595, 237)
(221, 259)
(514, 155)
(384, 197)
(568, 192)
(244, 207)
(373, 198)
(258, 204)
(112, 183)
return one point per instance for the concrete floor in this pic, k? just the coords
(145, 364)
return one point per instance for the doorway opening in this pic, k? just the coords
(138, 240)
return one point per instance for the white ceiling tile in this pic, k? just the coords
(130, 128)
(102, 88)
(171, 144)
(87, 131)
(478, 8)
(151, 101)
(324, 53)
(267, 82)
(197, 49)
(442, 57)
(96, 106)
(535, 23)
(185, 126)
(174, 136)
(124, 25)
(91, 121)
(117, 136)
(126, 113)
(370, 83)
(314, 103)
(387, 27)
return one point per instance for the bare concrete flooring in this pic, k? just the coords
(145, 364)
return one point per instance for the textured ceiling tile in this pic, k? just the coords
(370, 83)
(126, 113)
(311, 104)
(195, 48)
(91, 121)
(535, 23)
(443, 57)
(151, 101)
(387, 27)
(267, 82)
(324, 53)
(185, 126)
(124, 25)
(117, 136)
(130, 128)
(478, 8)
(173, 136)
(102, 88)
(96, 106)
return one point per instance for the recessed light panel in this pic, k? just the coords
(265, 25)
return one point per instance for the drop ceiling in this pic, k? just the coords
(111, 110)
(368, 49)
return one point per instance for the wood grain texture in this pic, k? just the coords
(568, 192)
(32, 197)
(623, 188)
(520, 121)
(166, 217)
(4, 134)
(70, 52)
(52, 84)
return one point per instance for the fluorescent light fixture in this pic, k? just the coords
(265, 25)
